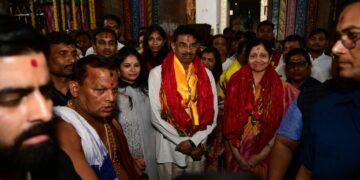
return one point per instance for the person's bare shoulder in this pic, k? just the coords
(70, 142)
(66, 134)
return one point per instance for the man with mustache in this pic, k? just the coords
(86, 128)
(62, 56)
(104, 42)
(27, 148)
(316, 44)
(184, 108)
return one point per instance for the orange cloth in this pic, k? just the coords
(175, 96)
(187, 87)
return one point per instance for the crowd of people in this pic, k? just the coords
(86, 106)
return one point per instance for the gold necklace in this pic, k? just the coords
(109, 140)
(112, 147)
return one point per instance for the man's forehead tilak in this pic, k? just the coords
(113, 76)
(188, 38)
(34, 63)
(112, 84)
(106, 35)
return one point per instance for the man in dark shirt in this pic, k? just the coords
(62, 56)
(332, 145)
(325, 120)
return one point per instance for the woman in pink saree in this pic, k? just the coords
(256, 99)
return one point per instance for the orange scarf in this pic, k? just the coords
(180, 91)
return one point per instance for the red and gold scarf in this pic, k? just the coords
(240, 104)
(199, 102)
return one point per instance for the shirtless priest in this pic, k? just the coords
(86, 129)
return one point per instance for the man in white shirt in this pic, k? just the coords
(316, 44)
(112, 22)
(104, 42)
(184, 108)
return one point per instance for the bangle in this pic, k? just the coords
(192, 143)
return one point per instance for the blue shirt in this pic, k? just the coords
(332, 147)
(291, 124)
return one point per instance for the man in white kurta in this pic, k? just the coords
(170, 146)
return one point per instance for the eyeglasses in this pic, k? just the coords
(182, 45)
(349, 39)
(293, 65)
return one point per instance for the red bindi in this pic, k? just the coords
(106, 35)
(34, 63)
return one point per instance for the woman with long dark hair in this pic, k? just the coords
(211, 58)
(155, 46)
(134, 106)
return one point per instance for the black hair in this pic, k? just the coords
(148, 56)
(249, 35)
(298, 51)
(60, 38)
(242, 46)
(241, 51)
(103, 30)
(82, 33)
(217, 70)
(254, 43)
(211, 41)
(101, 20)
(295, 37)
(79, 73)
(141, 80)
(185, 30)
(265, 23)
(17, 38)
(227, 29)
(318, 31)
(239, 35)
